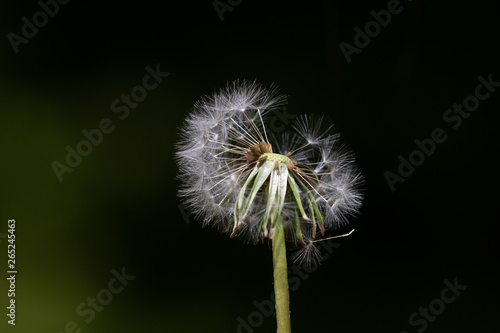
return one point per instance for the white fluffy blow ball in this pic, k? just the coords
(239, 176)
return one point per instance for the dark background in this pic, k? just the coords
(119, 208)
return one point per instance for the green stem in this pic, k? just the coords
(281, 279)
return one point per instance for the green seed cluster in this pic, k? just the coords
(272, 157)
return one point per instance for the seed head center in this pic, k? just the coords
(263, 151)
(273, 157)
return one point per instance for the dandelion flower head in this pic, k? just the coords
(240, 176)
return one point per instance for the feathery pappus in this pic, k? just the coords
(239, 176)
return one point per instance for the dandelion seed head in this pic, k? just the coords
(240, 178)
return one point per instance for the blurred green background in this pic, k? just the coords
(118, 208)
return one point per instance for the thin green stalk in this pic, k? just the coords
(281, 279)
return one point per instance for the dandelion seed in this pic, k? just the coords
(309, 255)
(241, 178)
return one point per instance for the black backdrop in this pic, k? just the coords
(117, 209)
